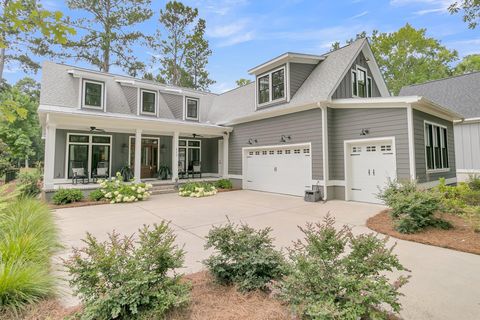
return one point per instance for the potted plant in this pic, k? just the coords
(126, 173)
(163, 172)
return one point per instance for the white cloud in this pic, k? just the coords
(431, 6)
(228, 30)
(238, 38)
(361, 14)
(221, 87)
(465, 47)
(220, 7)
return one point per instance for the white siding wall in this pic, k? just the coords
(467, 149)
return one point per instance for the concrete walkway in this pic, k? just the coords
(445, 284)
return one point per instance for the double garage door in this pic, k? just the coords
(279, 169)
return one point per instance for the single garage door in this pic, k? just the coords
(369, 166)
(279, 169)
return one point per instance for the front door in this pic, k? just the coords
(149, 157)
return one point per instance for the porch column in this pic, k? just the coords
(176, 136)
(138, 155)
(225, 154)
(49, 170)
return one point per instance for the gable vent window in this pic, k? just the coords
(93, 94)
(149, 105)
(271, 87)
(436, 150)
(362, 84)
(191, 109)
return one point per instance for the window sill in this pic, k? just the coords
(148, 113)
(191, 119)
(92, 107)
(438, 170)
(266, 104)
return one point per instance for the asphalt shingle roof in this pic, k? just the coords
(460, 93)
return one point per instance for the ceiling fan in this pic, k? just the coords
(95, 129)
(194, 135)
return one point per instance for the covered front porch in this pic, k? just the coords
(100, 145)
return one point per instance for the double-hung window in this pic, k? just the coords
(191, 112)
(148, 102)
(264, 89)
(436, 148)
(278, 84)
(271, 86)
(93, 94)
(362, 84)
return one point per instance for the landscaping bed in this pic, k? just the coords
(461, 237)
(82, 203)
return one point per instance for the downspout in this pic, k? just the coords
(324, 109)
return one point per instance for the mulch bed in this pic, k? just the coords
(82, 203)
(461, 237)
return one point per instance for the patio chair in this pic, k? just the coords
(79, 172)
(101, 171)
(194, 169)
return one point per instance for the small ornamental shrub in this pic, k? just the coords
(394, 188)
(336, 275)
(474, 182)
(243, 256)
(96, 195)
(29, 183)
(64, 196)
(197, 189)
(117, 190)
(127, 279)
(224, 184)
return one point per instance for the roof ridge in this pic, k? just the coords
(343, 47)
(233, 89)
(442, 79)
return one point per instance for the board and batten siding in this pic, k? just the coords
(175, 103)
(302, 127)
(299, 72)
(419, 137)
(344, 89)
(347, 124)
(467, 146)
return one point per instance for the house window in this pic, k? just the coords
(88, 152)
(264, 89)
(362, 83)
(149, 99)
(93, 94)
(354, 84)
(192, 109)
(189, 154)
(369, 87)
(272, 86)
(436, 149)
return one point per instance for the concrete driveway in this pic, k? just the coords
(445, 284)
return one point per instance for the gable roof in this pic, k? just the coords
(459, 93)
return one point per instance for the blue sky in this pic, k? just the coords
(245, 33)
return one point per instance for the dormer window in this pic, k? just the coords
(149, 102)
(191, 106)
(361, 83)
(93, 94)
(271, 86)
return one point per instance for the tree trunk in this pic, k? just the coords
(2, 62)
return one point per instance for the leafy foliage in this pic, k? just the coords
(469, 63)
(29, 182)
(242, 82)
(5, 162)
(64, 196)
(224, 184)
(28, 239)
(125, 278)
(243, 256)
(336, 275)
(471, 11)
(116, 190)
(96, 195)
(197, 189)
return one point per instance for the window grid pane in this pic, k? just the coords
(278, 81)
(263, 89)
(93, 94)
(148, 102)
(192, 108)
(354, 83)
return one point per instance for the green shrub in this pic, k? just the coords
(123, 278)
(336, 275)
(395, 188)
(116, 190)
(243, 256)
(197, 189)
(28, 239)
(474, 182)
(29, 183)
(96, 195)
(64, 196)
(224, 184)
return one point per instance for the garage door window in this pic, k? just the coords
(436, 149)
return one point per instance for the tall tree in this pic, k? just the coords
(107, 36)
(22, 24)
(470, 63)
(471, 11)
(242, 82)
(184, 53)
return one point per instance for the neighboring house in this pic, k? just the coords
(462, 95)
(308, 120)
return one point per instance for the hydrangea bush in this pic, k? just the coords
(197, 189)
(116, 190)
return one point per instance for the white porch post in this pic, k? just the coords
(225, 154)
(138, 155)
(175, 139)
(49, 171)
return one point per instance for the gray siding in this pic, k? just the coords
(346, 124)
(344, 89)
(419, 136)
(299, 72)
(305, 126)
(467, 146)
(131, 96)
(175, 104)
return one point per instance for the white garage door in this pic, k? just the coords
(279, 169)
(370, 165)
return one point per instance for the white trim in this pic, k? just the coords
(270, 87)
(336, 183)
(138, 101)
(90, 143)
(431, 184)
(467, 120)
(80, 94)
(411, 144)
(103, 93)
(360, 68)
(235, 176)
(346, 143)
(467, 171)
(325, 167)
(187, 147)
(439, 170)
(143, 137)
(287, 78)
(185, 106)
(369, 94)
(155, 102)
(287, 57)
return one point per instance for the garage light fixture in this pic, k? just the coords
(364, 131)
(252, 141)
(285, 138)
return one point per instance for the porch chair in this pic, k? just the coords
(195, 169)
(101, 171)
(79, 172)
